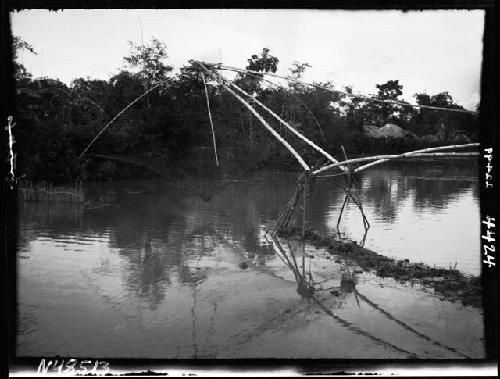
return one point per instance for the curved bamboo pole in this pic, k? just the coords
(259, 117)
(293, 130)
(449, 147)
(119, 114)
(367, 98)
(383, 158)
(296, 98)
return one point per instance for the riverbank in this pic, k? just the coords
(450, 284)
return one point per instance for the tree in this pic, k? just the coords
(430, 121)
(88, 102)
(441, 100)
(266, 62)
(263, 63)
(20, 72)
(149, 61)
(390, 90)
(296, 71)
(381, 113)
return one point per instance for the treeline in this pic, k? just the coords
(56, 122)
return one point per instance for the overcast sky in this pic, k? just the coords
(428, 51)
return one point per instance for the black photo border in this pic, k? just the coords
(488, 119)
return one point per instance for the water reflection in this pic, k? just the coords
(403, 202)
(432, 185)
(307, 286)
(158, 272)
(158, 236)
(338, 295)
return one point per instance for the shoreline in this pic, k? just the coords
(448, 283)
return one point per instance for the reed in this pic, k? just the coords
(47, 192)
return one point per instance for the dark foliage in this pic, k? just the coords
(55, 122)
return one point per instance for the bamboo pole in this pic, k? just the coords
(428, 150)
(210, 118)
(348, 192)
(293, 130)
(259, 117)
(449, 154)
(384, 158)
(396, 157)
(366, 98)
(298, 99)
(346, 199)
(286, 213)
(119, 114)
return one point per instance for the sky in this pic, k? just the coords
(427, 51)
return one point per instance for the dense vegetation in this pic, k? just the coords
(55, 122)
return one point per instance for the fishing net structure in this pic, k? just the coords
(237, 161)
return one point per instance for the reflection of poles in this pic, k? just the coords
(357, 330)
(193, 318)
(212, 322)
(306, 289)
(408, 327)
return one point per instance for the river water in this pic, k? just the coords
(182, 270)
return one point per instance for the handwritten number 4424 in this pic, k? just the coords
(71, 367)
(489, 237)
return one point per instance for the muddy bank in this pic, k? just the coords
(451, 284)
